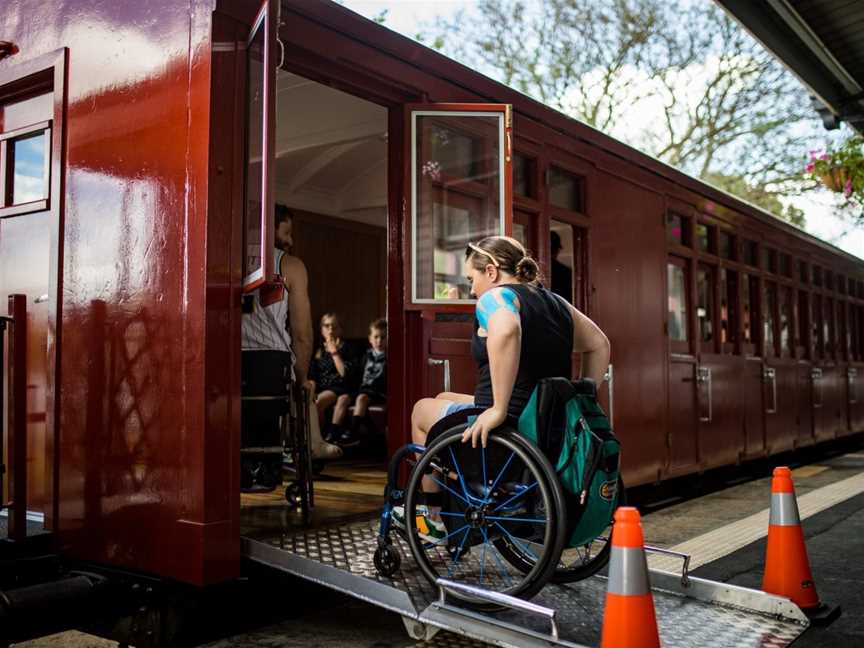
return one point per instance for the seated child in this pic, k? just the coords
(331, 371)
(373, 388)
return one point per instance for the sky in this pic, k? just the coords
(408, 16)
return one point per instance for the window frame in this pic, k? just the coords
(7, 170)
(681, 346)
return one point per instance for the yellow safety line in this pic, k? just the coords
(721, 542)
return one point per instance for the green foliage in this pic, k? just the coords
(841, 169)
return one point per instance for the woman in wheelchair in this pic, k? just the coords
(523, 333)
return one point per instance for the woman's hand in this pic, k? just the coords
(485, 423)
(331, 345)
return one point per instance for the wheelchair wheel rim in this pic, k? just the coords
(481, 514)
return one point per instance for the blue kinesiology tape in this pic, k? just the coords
(494, 300)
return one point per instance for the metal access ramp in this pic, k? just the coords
(690, 611)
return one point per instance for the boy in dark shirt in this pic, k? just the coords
(373, 388)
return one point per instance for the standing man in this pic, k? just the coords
(277, 346)
(562, 275)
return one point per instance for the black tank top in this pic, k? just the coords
(547, 346)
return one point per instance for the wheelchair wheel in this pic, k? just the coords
(576, 563)
(506, 490)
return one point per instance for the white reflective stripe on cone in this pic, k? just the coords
(628, 572)
(784, 510)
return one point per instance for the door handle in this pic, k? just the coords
(438, 362)
(703, 376)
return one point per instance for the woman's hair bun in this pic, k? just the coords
(527, 269)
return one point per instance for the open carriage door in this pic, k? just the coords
(460, 191)
(262, 59)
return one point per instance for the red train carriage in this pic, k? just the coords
(142, 146)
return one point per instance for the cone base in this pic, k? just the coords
(629, 622)
(787, 568)
(824, 614)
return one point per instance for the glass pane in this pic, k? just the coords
(769, 260)
(803, 273)
(786, 315)
(561, 246)
(728, 306)
(769, 316)
(523, 176)
(803, 331)
(727, 245)
(254, 153)
(28, 157)
(816, 323)
(828, 326)
(749, 296)
(519, 234)
(705, 237)
(677, 228)
(705, 308)
(785, 265)
(817, 276)
(750, 253)
(677, 302)
(457, 196)
(565, 190)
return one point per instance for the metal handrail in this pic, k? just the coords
(685, 571)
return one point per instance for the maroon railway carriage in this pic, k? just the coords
(142, 146)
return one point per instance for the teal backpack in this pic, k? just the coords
(566, 422)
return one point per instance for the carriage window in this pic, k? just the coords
(802, 331)
(786, 315)
(803, 272)
(749, 306)
(751, 253)
(457, 195)
(817, 276)
(785, 265)
(727, 246)
(27, 158)
(816, 326)
(769, 260)
(565, 190)
(828, 330)
(705, 305)
(706, 238)
(841, 284)
(677, 286)
(677, 229)
(563, 259)
(524, 171)
(829, 280)
(770, 317)
(842, 332)
(728, 306)
(854, 333)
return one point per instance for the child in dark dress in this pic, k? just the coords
(373, 388)
(332, 367)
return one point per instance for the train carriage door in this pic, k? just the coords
(31, 136)
(260, 147)
(459, 190)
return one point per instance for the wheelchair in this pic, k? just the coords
(509, 522)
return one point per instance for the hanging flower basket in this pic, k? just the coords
(835, 179)
(841, 170)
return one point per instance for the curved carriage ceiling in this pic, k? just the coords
(331, 151)
(822, 42)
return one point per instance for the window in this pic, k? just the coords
(565, 190)
(829, 280)
(561, 272)
(751, 253)
(803, 272)
(705, 304)
(677, 229)
(750, 309)
(828, 330)
(802, 331)
(25, 154)
(769, 260)
(787, 343)
(841, 284)
(842, 345)
(785, 265)
(854, 333)
(727, 245)
(770, 317)
(728, 307)
(524, 176)
(457, 195)
(817, 276)
(706, 238)
(816, 326)
(524, 230)
(677, 286)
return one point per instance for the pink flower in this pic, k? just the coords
(824, 156)
(809, 168)
(847, 190)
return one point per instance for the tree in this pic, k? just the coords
(720, 106)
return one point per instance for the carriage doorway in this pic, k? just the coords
(331, 173)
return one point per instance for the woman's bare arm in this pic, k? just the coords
(593, 344)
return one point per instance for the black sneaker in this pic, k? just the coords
(348, 438)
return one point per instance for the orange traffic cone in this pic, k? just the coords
(629, 620)
(787, 568)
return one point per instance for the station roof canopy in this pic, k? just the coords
(820, 41)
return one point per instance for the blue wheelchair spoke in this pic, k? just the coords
(468, 496)
(450, 490)
(426, 545)
(501, 568)
(516, 496)
(502, 471)
(458, 552)
(524, 547)
(515, 519)
(483, 461)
